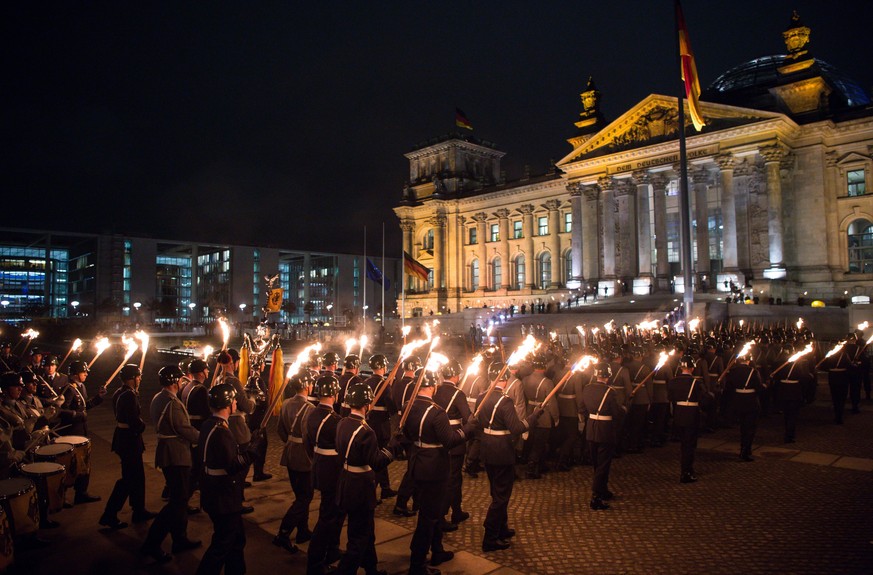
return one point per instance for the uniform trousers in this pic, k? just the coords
(748, 426)
(658, 417)
(454, 488)
(687, 447)
(855, 390)
(601, 458)
(539, 438)
(839, 392)
(326, 534)
(501, 478)
(568, 431)
(406, 491)
(297, 515)
(227, 547)
(790, 409)
(361, 547)
(635, 427)
(173, 517)
(131, 484)
(428, 535)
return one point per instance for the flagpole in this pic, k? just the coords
(684, 200)
(364, 281)
(382, 310)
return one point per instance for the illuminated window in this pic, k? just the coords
(543, 226)
(517, 232)
(861, 247)
(428, 240)
(568, 266)
(568, 222)
(496, 273)
(519, 271)
(495, 232)
(545, 275)
(474, 275)
(473, 236)
(857, 185)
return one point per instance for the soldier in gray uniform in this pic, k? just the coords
(176, 436)
(601, 408)
(238, 420)
(536, 387)
(292, 423)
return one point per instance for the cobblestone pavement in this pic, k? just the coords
(804, 508)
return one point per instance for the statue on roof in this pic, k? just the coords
(796, 37)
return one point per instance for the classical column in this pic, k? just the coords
(700, 179)
(607, 200)
(728, 213)
(481, 248)
(439, 235)
(503, 252)
(555, 241)
(590, 242)
(772, 161)
(832, 191)
(626, 241)
(530, 268)
(576, 201)
(662, 264)
(644, 225)
(407, 226)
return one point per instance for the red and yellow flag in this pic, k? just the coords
(689, 71)
(277, 378)
(414, 268)
(461, 120)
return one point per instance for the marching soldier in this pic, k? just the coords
(454, 403)
(222, 473)
(54, 379)
(8, 361)
(432, 437)
(292, 422)
(790, 381)
(351, 367)
(356, 489)
(473, 388)
(379, 416)
(745, 386)
(687, 394)
(401, 392)
(639, 400)
(320, 442)
(659, 409)
(74, 414)
(176, 435)
(601, 408)
(128, 444)
(195, 395)
(259, 392)
(499, 424)
(620, 382)
(536, 387)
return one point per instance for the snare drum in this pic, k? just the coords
(7, 545)
(61, 453)
(49, 485)
(18, 498)
(82, 452)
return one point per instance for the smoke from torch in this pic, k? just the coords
(350, 345)
(225, 332)
(101, 345)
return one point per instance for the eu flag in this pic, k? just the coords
(375, 274)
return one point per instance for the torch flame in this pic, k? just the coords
(746, 348)
(863, 325)
(653, 324)
(77, 345)
(143, 337)
(662, 359)
(363, 341)
(553, 335)
(799, 323)
(742, 322)
(225, 332)
(609, 325)
(130, 344)
(584, 362)
(489, 330)
(800, 353)
(594, 330)
(207, 351)
(836, 349)
(692, 325)
(528, 346)
(406, 329)
(436, 361)
(302, 358)
(474, 365)
(580, 329)
(30, 334)
(350, 345)
(869, 340)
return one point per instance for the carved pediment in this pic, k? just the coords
(655, 120)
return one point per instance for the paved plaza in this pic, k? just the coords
(805, 508)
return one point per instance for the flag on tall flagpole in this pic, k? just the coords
(689, 71)
(375, 274)
(414, 267)
(461, 120)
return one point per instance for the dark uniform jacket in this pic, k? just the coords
(601, 408)
(399, 392)
(536, 387)
(57, 382)
(176, 435)
(129, 425)
(345, 380)
(195, 397)
(453, 401)
(499, 425)
(319, 439)
(74, 410)
(244, 406)
(291, 428)
(359, 450)
(380, 412)
(745, 385)
(638, 371)
(431, 435)
(620, 382)
(688, 395)
(791, 380)
(221, 475)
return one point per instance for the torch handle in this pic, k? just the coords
(491, 388)
(60, 365)
(389, 381)
(279, 394)
(114, 373)
(557, 388)
(842, 351)
(411, 399)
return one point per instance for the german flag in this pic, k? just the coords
(461, 120)
(414, 268)
(689, 71)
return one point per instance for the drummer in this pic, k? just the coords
(16, 412)
(74, 415)
(128, 444)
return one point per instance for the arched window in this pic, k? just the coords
(474, 275)
(519, 271)
(861, 247)
(545, 275)
(568, 266)
(496, 273)
(428, 240)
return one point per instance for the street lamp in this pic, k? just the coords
(75, 304)
(136, 306)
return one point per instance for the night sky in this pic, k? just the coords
(285, 123)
